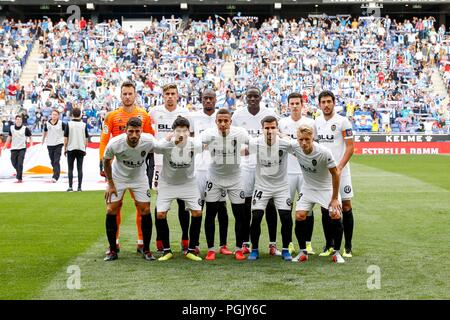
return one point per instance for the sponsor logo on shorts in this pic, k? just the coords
(242, 195)
(333, 127)
(347, 189)
(314, 162)
(289, 202)
(143, 153)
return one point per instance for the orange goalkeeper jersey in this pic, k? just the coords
(116, 122)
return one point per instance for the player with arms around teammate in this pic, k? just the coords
(115, 124)
(200, 121)
(271, 183)
(163, 117)
(177, 181)
(321, 186)
(289, 126)
(250, 119)
(335, 133)
(224, 143)
(124, 163)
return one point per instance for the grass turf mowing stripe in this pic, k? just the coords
(400, 226)
(432, 169)
(40, 232)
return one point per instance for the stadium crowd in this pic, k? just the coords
(380, 69)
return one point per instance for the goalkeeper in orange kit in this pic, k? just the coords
(115, 124)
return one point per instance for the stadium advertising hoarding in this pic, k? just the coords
(402, 144)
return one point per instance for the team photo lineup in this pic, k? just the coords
(244, 157)
(278, 132)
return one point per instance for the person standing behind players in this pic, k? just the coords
(289, 126)
(124, 163)
(17, 136)
(75, 142)
(271, 183)
(321, 186)
(250, 119)
(163, 117)
(200, 121)
(177, 181)
(114, 125)
(54, 134)
(224, 143)
(335, 133)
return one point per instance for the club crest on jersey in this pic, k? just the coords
(347, 189)
(143, 153)
(289, 202)
(314, 162)
(242, 195)
(105, 129)
(333, 127)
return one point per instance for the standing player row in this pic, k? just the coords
(250, 117)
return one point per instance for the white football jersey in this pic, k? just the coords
(178, 161)
(129, 163)
(199, 122)
(225, 151)
(271, 165)
(289, 126)
(315, 167)
(332, 134)
(162, 123)
(252, 123)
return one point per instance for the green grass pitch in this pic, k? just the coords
(402, 226)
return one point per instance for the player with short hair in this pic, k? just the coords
(177, 181)
(289, 126)
(321, 186)
(114, 125)
(250, 118)
(335, 133)
(163, 117)
(124, 163)
(271, 183)
(200, 121)
(224, 143)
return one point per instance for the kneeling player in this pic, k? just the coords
(177, 181)
(271, 183)
(127, 171)
(321, 186)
